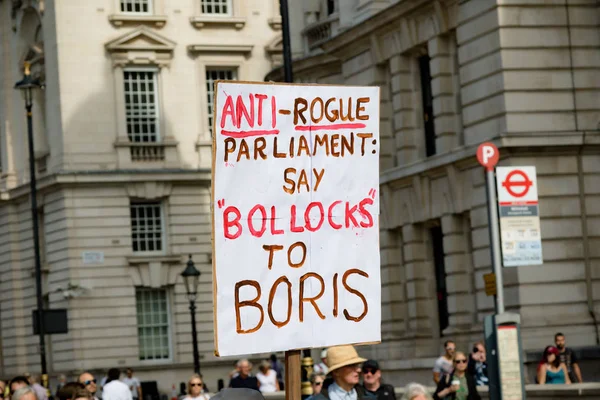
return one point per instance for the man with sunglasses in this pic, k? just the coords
(372, 381)
(443, 365)
(89, 381)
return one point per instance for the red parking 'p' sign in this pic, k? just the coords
(488, 155)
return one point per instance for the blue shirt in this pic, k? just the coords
(337, 393)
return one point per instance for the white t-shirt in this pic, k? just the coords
(443, 365)
(116, 390)
(268, 382)
(133, 384)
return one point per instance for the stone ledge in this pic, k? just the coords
(119, 19)
(200, 22)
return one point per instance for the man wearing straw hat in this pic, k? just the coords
(344, 367)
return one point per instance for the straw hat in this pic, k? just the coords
(341, 356)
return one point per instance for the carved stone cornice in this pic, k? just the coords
(141, 46)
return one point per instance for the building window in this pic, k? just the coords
(427, 98)
(216, 7)
(437, 242)
(213, 75)
(146, 227)
(136, 6)
(141, 105)
(153, 323)
(330, 7)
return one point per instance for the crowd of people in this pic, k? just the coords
(340, 375)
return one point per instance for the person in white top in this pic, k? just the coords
(134, 384)
(195, 389)
(267, 378)
(114, 388)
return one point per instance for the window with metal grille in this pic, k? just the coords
(141, 105)
(212, 75)
(153, 323)
(146, 227)
(136, 6)
(218, 7)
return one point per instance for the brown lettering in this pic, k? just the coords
(364, 137)
(347, 117)
(259, 147)
(247, 303)
(271, 248)
(289, 253)
(289, 181)
(303, 146)
(312, 110)
(347, 146)
(229, 147)
(275, 153)
(335, 142)
(312, 300)
(360, 108)
(292, 142)
(321, 140)
(335, 295)
(355, 292)
(298, 111)
(334, 113)
(303, 180)
(318, 177)
(244, 150)
(285, 280)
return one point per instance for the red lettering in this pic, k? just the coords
(330, 215)
(274, 231)
(228, 109)
(321, 216)
(350, 215)
(230, 223)
(365, 213)
(273, 112)
(263, 228)
(260, 98)
(241, 109)
(293, 226)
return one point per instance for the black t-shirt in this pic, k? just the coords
(385, 392)
(569, 358)
(249, 382)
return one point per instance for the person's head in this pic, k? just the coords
(273, 357)
(62, 378)
(460, 361)
(129, 372)
(24, 393)
(17, 383)
(559, 341)
(371, 372)
(88, 381)
(324, 356)
(316, 381)
(450, 348)
(244, 367)
(68, 391)
(551, 356)
(114, 374)
(82, 394)
(479, 353)
(195, 385)
(344, 365)
(264, 367)
(416, 391)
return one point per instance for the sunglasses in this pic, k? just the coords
(369, 371)
(460, 361)
(195, 384)
(89, 382)
(317, 383)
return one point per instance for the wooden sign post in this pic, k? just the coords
(295, 207)
(292, 375)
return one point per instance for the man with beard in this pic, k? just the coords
(568, 357)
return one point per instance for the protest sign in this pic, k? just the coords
(295, 217)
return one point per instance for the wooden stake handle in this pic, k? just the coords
(293, 390)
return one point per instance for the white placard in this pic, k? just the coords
(295, 217)
(92, 257)
(517, 185)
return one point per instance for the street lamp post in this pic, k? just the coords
(191, 277)
(26, 85)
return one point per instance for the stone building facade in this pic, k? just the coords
(523, 74)
(123, 159)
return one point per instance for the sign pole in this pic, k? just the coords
(495, 239)
(292, 375)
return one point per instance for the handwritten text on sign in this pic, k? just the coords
(296, 205)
